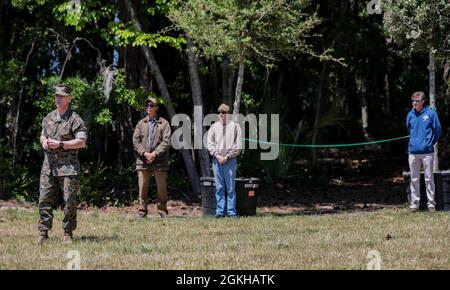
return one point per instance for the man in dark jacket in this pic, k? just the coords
(424, 129)
(151, 141)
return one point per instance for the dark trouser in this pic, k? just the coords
(49, 190)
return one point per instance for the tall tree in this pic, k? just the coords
(265, 29)
(198, 103)
(421, 26)
(162, 86)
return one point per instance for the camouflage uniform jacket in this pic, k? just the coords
(70, 126)
(160, 143)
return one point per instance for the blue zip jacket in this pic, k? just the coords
(424, 129)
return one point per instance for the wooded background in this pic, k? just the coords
(335, 71)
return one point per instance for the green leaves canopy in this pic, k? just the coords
(418, 25)
(265, 29)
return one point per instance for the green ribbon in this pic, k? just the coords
(326, 145)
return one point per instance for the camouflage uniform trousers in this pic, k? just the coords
(49, 190)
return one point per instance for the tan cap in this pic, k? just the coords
(62, 90)
(152, 100)
(223, 108)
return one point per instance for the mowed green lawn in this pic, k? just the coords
(334, 241)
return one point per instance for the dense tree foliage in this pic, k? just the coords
(334, 73)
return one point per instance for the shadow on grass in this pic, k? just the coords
(323, 212)
(97, 239)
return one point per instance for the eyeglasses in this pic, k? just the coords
(222, 112)
(150, 105)
(416, 101)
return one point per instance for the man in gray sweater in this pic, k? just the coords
(224, 144)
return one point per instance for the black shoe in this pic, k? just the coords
(219, 216)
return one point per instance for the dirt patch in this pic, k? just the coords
(176, 208)
(339, 195)
(16, 204)
(351, 193)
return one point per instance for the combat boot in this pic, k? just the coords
(68, 236)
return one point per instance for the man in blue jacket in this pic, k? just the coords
(424, 130)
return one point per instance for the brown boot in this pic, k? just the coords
(43, 237)
(68, 236)
(141, 215)
(143, 210)
(163, 213)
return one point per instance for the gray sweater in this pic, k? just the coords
(225, 140)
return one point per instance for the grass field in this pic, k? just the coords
(334, 241)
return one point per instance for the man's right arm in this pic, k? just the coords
(43, 138)
(211, 142)
(43, 141)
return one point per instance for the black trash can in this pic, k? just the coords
(246, 198)
(208, 195)
(442, 190)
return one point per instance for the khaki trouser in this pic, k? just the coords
(161, 189)
(415, 162)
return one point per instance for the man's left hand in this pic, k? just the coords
(152, 156)
(222, 159)
(53, 144)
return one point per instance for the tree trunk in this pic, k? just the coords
(125, 135)
(19, 102)
(317, 105)
(2, 192)
(227, 81)
(239, 84)
(162, 87)
(198, 102)
(364, 118)
(432, 73)
(387, 101)
(215, 83)
(135, 71)
(361, 85)
(279, 85)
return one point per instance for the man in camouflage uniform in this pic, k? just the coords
(63, 133)
(151, 141)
